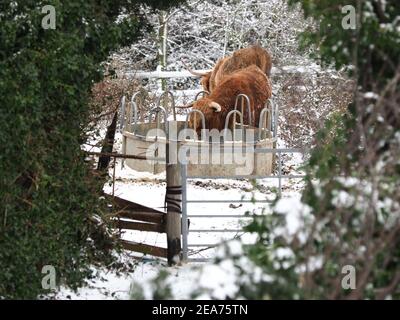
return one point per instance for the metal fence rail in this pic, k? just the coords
(185, 200)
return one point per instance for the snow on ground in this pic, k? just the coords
(149, 190)
(111, 286)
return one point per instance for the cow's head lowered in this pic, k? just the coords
(211, 111)
(250, 81)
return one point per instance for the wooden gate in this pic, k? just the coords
(134, 216)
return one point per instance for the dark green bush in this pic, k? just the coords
(47, 191)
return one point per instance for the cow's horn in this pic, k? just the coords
(189, 105)
(216, 106)
(195, 73)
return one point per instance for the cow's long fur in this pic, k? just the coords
(254, 55)
(250, 81)
(208, 81)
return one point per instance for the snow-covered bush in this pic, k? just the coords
(227, 278)
(204, 31)
(306, 101)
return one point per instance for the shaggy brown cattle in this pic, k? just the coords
(250, 81)
(254, 55)
(208, 79)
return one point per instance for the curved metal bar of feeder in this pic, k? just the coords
(135, 111)
(260, 123)
(157, 110)
(168, 93)
(274, 119)
(275, 111)
(227, 122)
(268, 119)
(203, 92)
(203, 119)
(122, 111)
(241, 95)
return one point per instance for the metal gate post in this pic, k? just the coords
(185, 229)
(280, 173)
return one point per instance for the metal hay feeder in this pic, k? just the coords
(218, 157)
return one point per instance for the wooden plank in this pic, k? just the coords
(116, 155)
(153, 217)
(132, 225)
(144, 248)
(129, 205)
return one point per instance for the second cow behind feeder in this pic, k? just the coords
(240, 59)
(250, 81)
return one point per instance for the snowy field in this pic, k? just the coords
(149, 190)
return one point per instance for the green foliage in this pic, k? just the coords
(375, 39)
(356, 216)
(47, 192)
(350, 206)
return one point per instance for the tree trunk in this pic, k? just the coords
(108, 144)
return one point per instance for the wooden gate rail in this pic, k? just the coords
(144, 248)
(145, 219)
(134, 216)
(140, 226)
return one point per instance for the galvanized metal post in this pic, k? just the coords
(122, 110)
(123, 150)
(280, 174)
(122, 128)
(275, 109)
(185, 227)
(113, 189)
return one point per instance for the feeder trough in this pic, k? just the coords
(223, 154)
